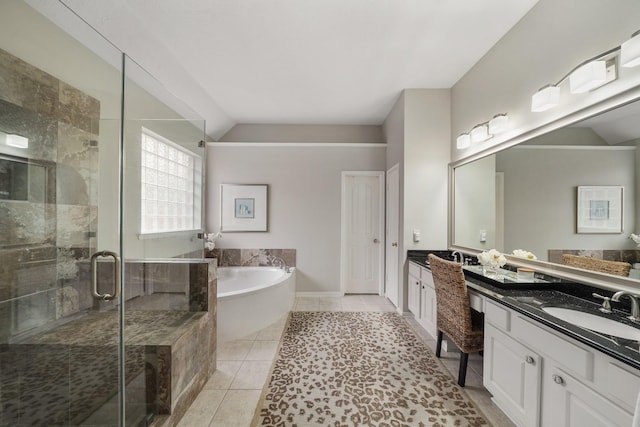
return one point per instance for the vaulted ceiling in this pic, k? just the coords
(301, 61)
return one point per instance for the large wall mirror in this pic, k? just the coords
(573, 190)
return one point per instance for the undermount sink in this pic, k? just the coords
(594, 322)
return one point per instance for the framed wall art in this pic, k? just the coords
(600, 209)
(243, 207)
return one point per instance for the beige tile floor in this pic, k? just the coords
(230, 397)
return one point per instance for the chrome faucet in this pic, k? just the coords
(635, 307)
(280, 263)
(457, 257)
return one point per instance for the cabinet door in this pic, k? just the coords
(512, 376)
(413, 296)
(570, 403)
(428, 313)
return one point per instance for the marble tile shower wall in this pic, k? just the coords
(48, 197)
(251, 257)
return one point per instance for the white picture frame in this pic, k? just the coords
(599, 209)
(243, 207)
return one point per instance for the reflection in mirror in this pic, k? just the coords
(526, 196)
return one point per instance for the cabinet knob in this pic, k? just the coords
(376, 241)
(557, 379)
(530, 360)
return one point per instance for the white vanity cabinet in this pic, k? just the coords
(538, 376)
(421, 297)
(511, 371)
(428, 310)
(413, 293)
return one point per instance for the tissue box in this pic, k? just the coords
(525, 274)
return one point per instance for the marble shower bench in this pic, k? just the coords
(71, 369)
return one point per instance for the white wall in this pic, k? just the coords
(417, 132)
(304, 133)
(426, 156)
(553, 38)
(304, 199)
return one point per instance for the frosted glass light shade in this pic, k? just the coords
(479, 133)
(545, 99)
(17, 141)
(498, 124)
(630, 52)
(590, 76)
(463, 141)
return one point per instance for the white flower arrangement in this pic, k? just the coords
(492, 258)
(210, 240)
(635, 238)
(521, 253)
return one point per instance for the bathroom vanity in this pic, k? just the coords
(543, 370)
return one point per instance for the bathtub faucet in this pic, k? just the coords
(279, 262)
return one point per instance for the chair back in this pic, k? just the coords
(452, 299)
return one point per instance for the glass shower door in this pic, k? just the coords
(162, 216)
(60, 312)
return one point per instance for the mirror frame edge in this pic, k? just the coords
(600, 280)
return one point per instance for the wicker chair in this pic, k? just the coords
(617, 268)
(463, 326)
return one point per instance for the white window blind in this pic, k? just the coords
(168, 186)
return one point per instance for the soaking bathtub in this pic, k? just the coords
(251, 298)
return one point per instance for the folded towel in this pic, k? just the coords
(636, 413)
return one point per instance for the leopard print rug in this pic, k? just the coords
(359, 369)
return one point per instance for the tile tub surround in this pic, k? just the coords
(251, 257)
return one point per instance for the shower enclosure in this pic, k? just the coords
(100, 206)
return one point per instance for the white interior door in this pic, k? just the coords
(393, 210)
(362, 232)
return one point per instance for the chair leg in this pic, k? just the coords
(439, 343)
(462, 373)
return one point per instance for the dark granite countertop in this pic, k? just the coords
(529, 298)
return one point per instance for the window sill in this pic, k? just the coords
(168, 234)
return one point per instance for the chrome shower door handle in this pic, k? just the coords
(94, 275)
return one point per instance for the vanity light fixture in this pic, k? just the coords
(463, 141)
(483, 131)
(630, 51)
(14, 140)
(587, 77)
(480, 133)
(546, 98)
(498, 123)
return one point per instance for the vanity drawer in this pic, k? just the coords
(414, 270)
(427, 278)
(579, 360)
(497, 316)
(476, 301)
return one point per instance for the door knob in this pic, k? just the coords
(394, 244)
(376, 241)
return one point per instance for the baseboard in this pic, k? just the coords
(319, 294)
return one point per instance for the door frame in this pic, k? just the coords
(381, 175)
(399, 278)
